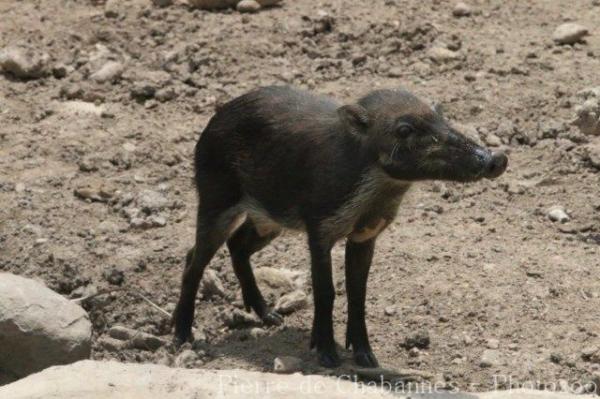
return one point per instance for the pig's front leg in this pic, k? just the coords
(358, 261)
(324, 295)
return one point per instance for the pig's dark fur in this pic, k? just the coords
(280, 157)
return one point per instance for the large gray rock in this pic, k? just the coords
(104, 380)
(39, 328)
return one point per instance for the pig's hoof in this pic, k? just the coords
(180, 339)
(365, 359)
(328, 359)
(272, 318)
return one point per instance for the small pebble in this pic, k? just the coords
(558, 214)
(489, 358)
(418, 340)
(287, 364)
(114, 276)
(291, 302)
(248, 6)
(569, 33)
(493, 343)
(461, 10)
(211, 284)
(257, 332)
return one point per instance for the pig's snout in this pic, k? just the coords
(496, 163)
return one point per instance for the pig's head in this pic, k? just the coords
(412, 141)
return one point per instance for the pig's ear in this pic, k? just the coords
(355, 118)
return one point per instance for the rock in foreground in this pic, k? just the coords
(39, 328)
(107, 380)
(90, 379)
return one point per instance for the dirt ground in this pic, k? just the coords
(478, 267)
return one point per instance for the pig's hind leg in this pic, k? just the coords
(219, 216)
(242, 244)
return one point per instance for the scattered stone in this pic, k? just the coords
(442, 55)
(98, 194)
(287, 365)
(24, 62)
(166, 94)
(136, 339)
(492, 140)
(513, 346)
(101, 379)
(145, 341)
(150, 201)
(268, 3)
(112, 344)
(461, 10)
(114, 276)
(414, 352)
(186, 359)
(60, 71)
(588, 113)
(389, 310)
(248, 6)
(493, 343)
(112, 8)
(156, 221)
(291, 302)
(274, 282)
(490, 358)
(551, 129)
(211, 284)
(88, 164)
(591, 354)
(111, 71)
(395, 72)
(138, 221)
(121, 333)
(77, 107)
(212, 4)
(237, 318)
(142, 91)
(162, 3)
(39, 328)
(556, 358)
(591, 153)
(257, 332)
(419, 340)
(569, 33)
(558, 214)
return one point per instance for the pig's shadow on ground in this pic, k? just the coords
(262, 350)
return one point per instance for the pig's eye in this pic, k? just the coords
(404, 129)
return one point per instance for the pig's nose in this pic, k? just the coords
(496, 165)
